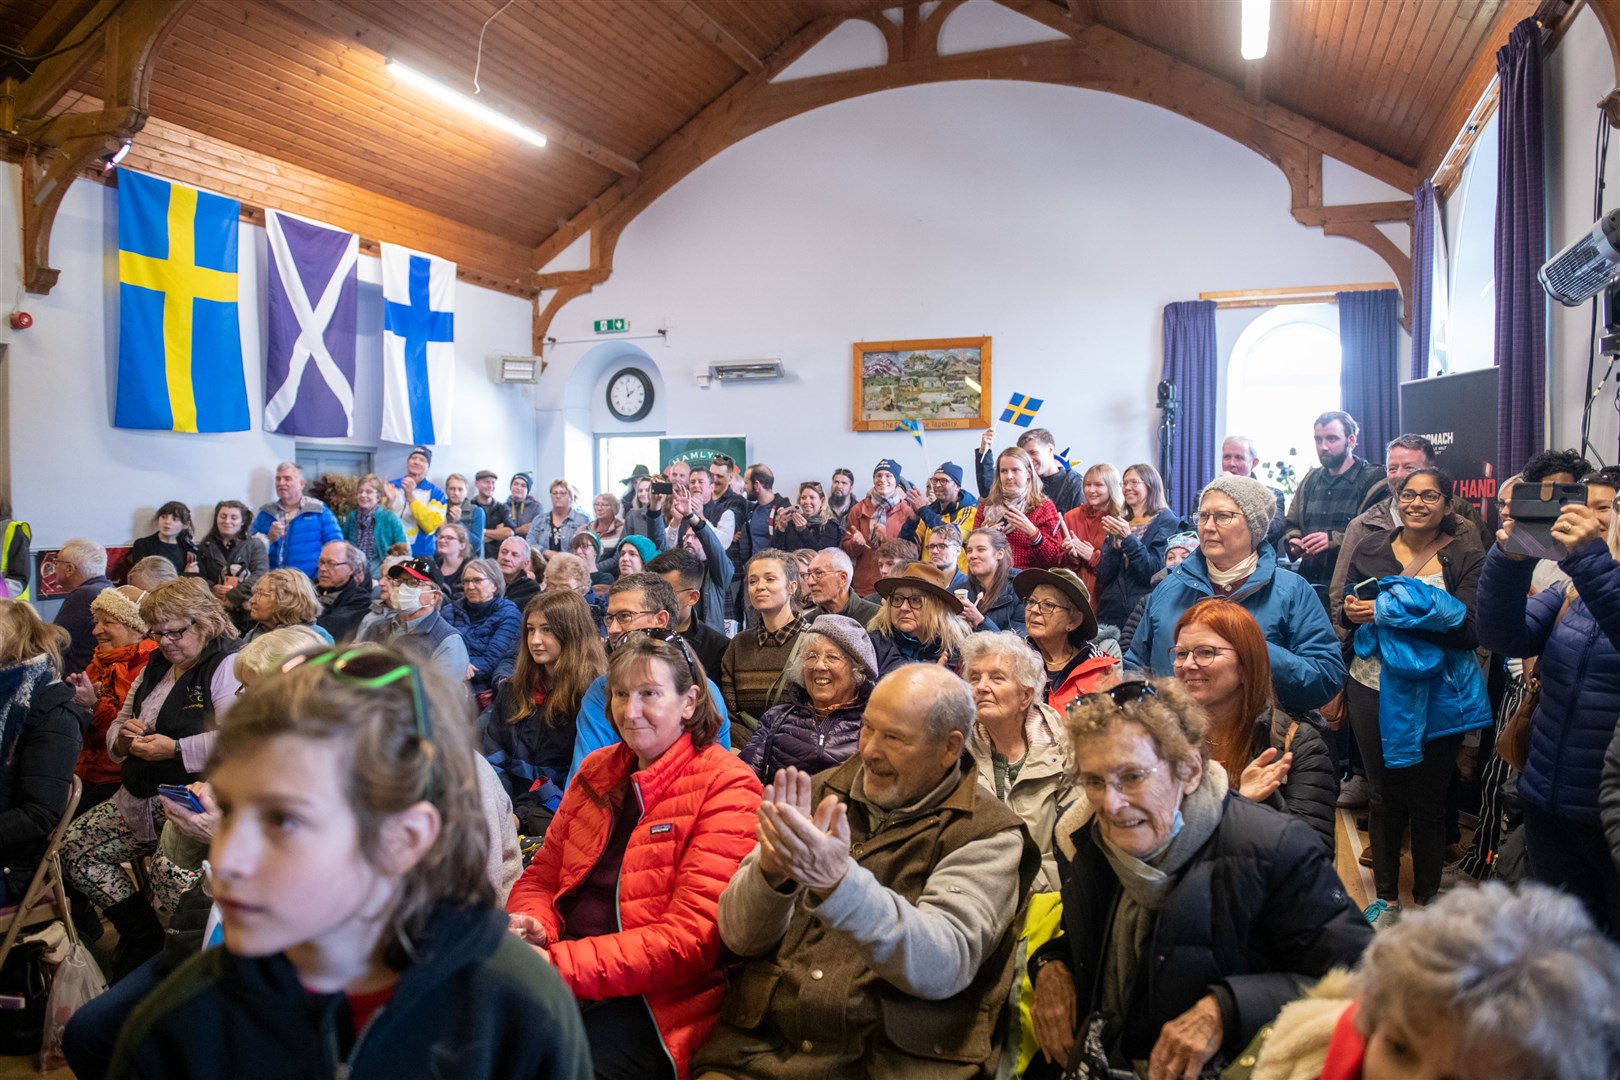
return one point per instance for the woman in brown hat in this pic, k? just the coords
(1059, 623)
(920, 621)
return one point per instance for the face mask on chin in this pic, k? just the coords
(406, 599)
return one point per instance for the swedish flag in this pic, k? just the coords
(1021, 409)
(179, 329)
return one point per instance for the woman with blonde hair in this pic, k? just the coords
(1017, 507)
(1084, 535)
(1136, 543)
(453, 549)
(371, 526)
(162, 735)
(283, 597)
(40, 725)
(608, 525)
(919, 622)
(809, 524)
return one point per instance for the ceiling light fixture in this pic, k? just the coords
(1256, 28)
(455, 99)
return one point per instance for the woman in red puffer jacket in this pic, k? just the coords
(623, 894)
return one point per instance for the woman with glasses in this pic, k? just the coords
(552, 534)
(991, 603)
(1234, 563)
(489, 624)
(810, 524)
(751, 670)
(1269, 756)
(162, 735)
(529, 732)
(283, 598)
(1060, 626)
(452, 549)
(818, 726)
(623, 895)
(1415, 686)
(1189, 917)
(919, 622)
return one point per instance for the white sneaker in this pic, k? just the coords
(1353, 794)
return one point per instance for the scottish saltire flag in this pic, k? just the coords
(419, 333)
(309, 366)
(179, 331)
(915, 427)
(1021, 409)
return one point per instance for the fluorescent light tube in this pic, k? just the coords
(455, 99)
(1256, 28)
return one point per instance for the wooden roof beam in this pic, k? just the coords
(708, 28)
(344, 25)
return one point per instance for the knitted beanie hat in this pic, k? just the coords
(850, 636)
(1253, 498)
(115, 605)
(1187, 541)
(648, 549)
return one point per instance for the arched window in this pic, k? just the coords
(1284, 372)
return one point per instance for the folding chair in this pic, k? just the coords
(46, 896)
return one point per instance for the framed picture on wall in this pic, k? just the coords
(943, 382)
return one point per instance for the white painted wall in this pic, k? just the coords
(1579, 72)
(72, 473)
(1057, 221)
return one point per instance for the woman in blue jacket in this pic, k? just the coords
(489, 623)
(1135, 548)
(1575, 631)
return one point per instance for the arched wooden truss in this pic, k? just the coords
(1092, 57)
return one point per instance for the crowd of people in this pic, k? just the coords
(709, 781)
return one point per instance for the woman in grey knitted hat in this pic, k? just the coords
(818, 723)
(1233, 562)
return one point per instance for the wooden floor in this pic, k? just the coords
(1358, 883)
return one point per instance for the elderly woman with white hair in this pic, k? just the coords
(1486, 983)
(817, 726)
(1233, 563)
(1018, 743)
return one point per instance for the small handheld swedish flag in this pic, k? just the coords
(913, 426)
(179, 328)
(1021, 409)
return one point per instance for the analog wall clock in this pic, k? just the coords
(630, 394)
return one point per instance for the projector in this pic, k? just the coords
(1583, 269)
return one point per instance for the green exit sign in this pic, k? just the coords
(611, 326)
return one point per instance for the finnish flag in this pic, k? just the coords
(419, 333)
(309, 369)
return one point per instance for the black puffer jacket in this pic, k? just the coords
(1311, 792)
(1255, 918)
(40, 757)
(793, 733)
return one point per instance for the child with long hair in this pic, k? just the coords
(361, 938)
(529, 734)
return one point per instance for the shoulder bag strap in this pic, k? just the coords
(1421, 559)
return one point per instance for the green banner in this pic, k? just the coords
(701, 448)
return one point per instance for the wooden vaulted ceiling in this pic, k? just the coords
(287, 103)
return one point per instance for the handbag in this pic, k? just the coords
(1513, 743)
(23, 988)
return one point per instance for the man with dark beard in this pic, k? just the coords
(1327, 499)
(841, 495)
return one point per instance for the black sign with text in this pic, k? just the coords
(1458, 414)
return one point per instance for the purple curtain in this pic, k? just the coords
(1422, 277)
(1369, 374)
(1191, 363)
(1521, 247)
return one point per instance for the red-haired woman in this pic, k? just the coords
(1017, 507)
(1269, 756)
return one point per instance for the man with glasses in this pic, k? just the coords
(885, 887)
(415, 594)
(343, 586)
(644, 604)
(944, 551)
(81, 569)
(950, 506)
(827, 583)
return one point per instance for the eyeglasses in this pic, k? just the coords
(831, 659)
(619, 618)
(1430, 497)
(1127, 781)
(821, 573)
(469, 582)
(1222, 518)
(373, 667)
(1045, 607)
(1124, 693)
(160, 636)
(906, 601)
(1200, 655)
(668, 637)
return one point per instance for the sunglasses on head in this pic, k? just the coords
(668, 637)
(373, 667)
(418, 568)
(1124, 693)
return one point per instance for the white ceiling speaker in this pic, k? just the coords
(747, 371)
(518, 369)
